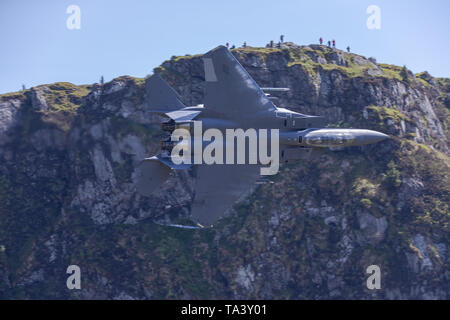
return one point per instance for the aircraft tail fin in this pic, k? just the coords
(161, 98)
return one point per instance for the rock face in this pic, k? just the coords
(68, 197)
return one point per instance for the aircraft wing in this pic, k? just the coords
(218, 187)
(229, 89)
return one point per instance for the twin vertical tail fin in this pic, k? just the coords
(161, 98)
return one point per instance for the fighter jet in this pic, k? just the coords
(232, 100)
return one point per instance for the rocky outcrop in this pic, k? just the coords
(67, 188)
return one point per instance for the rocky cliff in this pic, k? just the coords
(67, 191)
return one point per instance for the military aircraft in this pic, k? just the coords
(232, 100)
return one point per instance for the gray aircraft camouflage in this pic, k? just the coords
(233, 100)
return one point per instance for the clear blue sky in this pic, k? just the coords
(132, 37)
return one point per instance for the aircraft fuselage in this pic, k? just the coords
(295, 129)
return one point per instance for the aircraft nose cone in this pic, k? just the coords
(372, 137)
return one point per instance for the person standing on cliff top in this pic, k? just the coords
(245, 44)
(329, 44)
(334, 44)
(282, 38)
(320, 40)
(348, 48)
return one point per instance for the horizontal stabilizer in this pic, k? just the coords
(154, 171)
(169, 163)
(182, 115)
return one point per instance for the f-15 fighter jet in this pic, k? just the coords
(233, 104)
